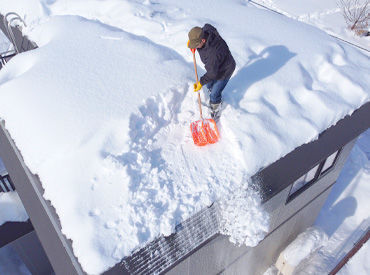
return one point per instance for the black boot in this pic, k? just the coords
(215, 110)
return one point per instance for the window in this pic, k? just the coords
(313, 175)
(6, 184)
(304, 180)
(329, 162)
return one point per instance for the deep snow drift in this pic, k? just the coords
(106, 128)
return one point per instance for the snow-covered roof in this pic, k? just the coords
(102, 114)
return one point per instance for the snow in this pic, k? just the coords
(305, 244)
(326, 15)
(241, 216)
(11, 208)
(359, 263)
(107, 128)
(4, 43)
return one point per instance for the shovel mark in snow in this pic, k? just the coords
(152, 192)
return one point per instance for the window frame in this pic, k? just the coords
(318, 175)
(327, 170)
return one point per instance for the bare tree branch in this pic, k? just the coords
(356, 13)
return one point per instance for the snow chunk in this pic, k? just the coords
(305, 244)
(242, 217)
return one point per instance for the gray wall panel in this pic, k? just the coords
(33, 255)
(11, 231)
(287, 210)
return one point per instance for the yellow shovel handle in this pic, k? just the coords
(196, 76)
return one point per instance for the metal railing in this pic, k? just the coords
(6, 184)
(8, 24)
(8, 21)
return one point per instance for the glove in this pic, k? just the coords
(197, 86)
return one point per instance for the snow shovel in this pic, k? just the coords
(204, 131)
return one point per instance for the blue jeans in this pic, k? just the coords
(215, 88)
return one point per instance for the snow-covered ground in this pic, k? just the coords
(359, 263)
(326, 15)
(107, 126)
(11, 208)
(4, 43)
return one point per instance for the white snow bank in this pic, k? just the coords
(359, 263)
(107, 127)
(11, 208)
(305, 244)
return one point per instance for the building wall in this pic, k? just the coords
(281, 211)
(32, 254)
(219, 256)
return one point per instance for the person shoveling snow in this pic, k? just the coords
(218, 61)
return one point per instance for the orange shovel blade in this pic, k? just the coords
(204, 131)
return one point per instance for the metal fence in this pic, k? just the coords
(6, 184)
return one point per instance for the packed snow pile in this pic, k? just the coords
(11, 208)
(306, 243)
(106, 128)
(241, 216)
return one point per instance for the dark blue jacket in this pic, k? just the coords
(216, 56)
